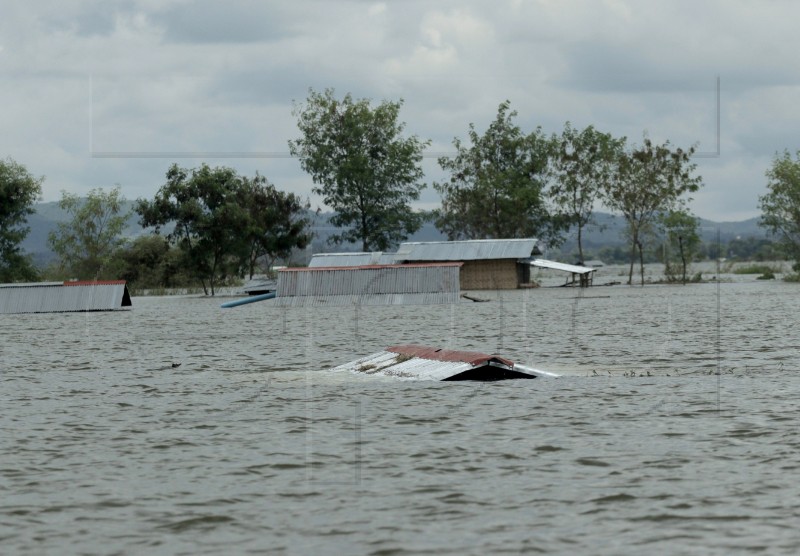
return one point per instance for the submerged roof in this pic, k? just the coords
(62, 297)
(429, 363)
(448, 355)
(413, 284)
(350, 259)
(470, 250)
(542, 263)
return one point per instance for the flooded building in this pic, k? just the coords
(488, 264)
(64, 297)
(407, 284)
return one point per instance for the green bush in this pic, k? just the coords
(763, 269)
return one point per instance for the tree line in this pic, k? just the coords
(208, 225)
(502, 183)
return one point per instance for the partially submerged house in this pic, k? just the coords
(488, 264)
(64, 297)
(431, 363)
(408, 284)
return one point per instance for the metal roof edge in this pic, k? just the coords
(371, 267)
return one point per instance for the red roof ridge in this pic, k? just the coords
(94, 282)
(439, 354)
(370, 266)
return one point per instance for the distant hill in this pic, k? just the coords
(607, 231)
(45, 220)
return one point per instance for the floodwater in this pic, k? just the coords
(249, 445)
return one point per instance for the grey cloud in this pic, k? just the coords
(218, 22)
(628, 68)
(624, 68)
(88, 20)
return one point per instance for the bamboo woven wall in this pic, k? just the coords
(493, 274)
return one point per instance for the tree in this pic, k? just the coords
(85, 244)
(681, 244)
(650, 180)
(496, 186)
(583, 166)
(150, 262)
(19, 190)
(780, 206)
(210, 225)
(223, 221)
(277, 223)
(363, 167)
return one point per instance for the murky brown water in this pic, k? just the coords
(250, 446)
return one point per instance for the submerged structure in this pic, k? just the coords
(488, 264)
(430, 363)
(408, 284)
(64, 297)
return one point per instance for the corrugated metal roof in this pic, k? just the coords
(414, 284)
(449, 355)
(60, 297)
(470, 250)
(388, 363)
(428, 363)
(542, 263)
(350, 259)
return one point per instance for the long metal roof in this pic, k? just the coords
(429, 363)
(542, 263)
(469, 250)
(388, 363)
(350, 259)
(413, 284)
(62, 297)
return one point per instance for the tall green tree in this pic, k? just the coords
(277, 223)
(780, 206)
(497, 184)
(210, 225)
(650, 179)
(149, 261)
(583, 165)
(86, 243)
(223, 222)
(682, 243)
(362, 165)
(19, 190)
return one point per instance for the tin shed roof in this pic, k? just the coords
(413, 284)
(430, 363)
(542, 263)
(63, 297)
(470, 250)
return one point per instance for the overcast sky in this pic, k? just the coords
(98, 93)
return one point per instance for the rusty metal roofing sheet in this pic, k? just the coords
(393, 364)
(470, 250)
(370, 285)
(449, 355)
(542, 263)
(58, 297)
(350, 259)
(428, 363)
